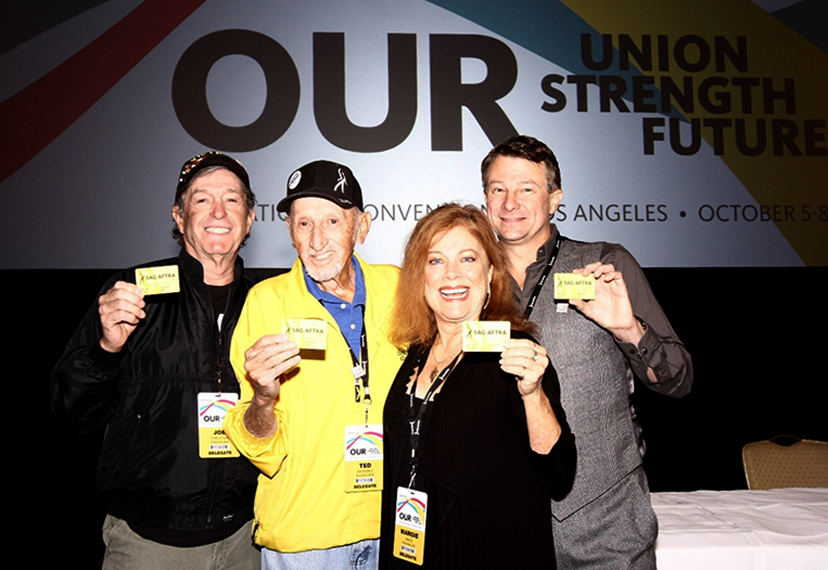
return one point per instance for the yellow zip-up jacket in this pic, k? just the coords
(301, 503)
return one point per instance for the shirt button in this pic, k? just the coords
(342, 306)
(353, 326)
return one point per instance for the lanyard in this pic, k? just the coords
(414, 419)
(536, 292)
(360, 369)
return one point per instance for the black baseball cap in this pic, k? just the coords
(210, 158)
(323, 179)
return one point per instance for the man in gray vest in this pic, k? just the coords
(596, 346)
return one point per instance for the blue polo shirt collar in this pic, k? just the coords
(349, 317)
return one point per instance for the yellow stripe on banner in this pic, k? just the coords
(793, 173)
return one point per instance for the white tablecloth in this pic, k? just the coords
(780, 529)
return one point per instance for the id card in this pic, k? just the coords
(307, 333)
(574, 286)
(157, 280)
(409, 525)
(485, 336)
(363, 458)
(212, 441)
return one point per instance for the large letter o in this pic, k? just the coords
(189, 90)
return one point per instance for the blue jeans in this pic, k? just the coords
(363, 555)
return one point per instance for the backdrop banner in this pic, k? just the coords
(693, 132)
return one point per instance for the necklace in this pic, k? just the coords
(434, 371)
(439, 364)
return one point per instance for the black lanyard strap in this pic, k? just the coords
(536, 292)
(365, 394)
(415, 418)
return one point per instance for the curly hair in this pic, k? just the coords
(413, 323)
(528, 148)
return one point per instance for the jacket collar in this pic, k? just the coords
(192, 267)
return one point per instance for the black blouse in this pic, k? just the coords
(488, 492)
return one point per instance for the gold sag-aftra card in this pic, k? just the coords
(485, 336)
(157, 280)
(574, 286)
(309, 334)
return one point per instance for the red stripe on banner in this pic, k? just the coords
(35, 116)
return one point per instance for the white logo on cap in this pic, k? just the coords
(341, 183)
(294, 179)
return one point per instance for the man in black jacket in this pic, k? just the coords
(150, 361)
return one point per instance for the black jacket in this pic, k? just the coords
(147, 397)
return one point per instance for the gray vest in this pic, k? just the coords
(596, 381)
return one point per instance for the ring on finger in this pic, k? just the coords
(535, 356)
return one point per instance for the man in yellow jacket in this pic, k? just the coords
(314, 364)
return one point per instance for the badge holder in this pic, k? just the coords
(213, 443)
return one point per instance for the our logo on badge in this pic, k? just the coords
(366, 444)
(411, 512)
(212, 414)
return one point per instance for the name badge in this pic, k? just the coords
(485, 336)
(212, 441)
(158, 280)
(574, 286)
(309, 334)
(409, 525)
(363, 458)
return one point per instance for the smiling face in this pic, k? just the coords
(324, 235)
(457, 277)
(518, 202)
(215, 217)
